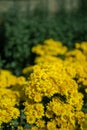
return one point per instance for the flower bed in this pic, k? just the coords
(51, 94)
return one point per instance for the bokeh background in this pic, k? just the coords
(25, 23)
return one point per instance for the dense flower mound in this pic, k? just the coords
(52, 94)
(53, 98)
(8, 103)
(10, 95)
(58, 82)
(12, 82)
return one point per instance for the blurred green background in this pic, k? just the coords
(24, 24)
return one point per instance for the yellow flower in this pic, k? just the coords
(70, 126)
(49, 113)
(40, 123)
(82, 46)
(37, 97)
(20, 128)
(86, 90)
(15, 113)
(51, 125)
(39, 110)
(31, 119)
(35, 128)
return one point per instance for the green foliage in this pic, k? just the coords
(22, 32)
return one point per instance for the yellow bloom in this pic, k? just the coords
(35, 128)
(37, 97)
(15, 113)
(51, 125)
(49, 113)
(20, 128)
(39, 110)
(31, 119)
(40, 123)
(86, 90)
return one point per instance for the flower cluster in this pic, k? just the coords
(53, 92)
(50, 47)
(49, 50)
(6, 79)
(55, 83)
(10, 95)
(53, 95)
(75, 60)
(8, 103)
